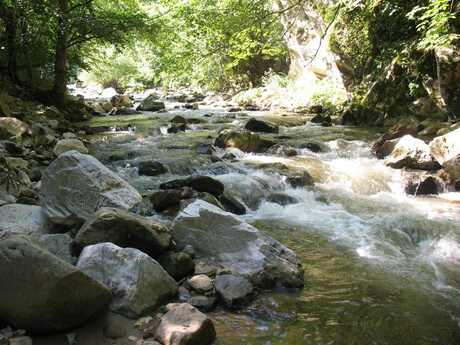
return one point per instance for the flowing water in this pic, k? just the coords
(381, 267)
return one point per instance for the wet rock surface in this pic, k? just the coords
(221, 238)
(138, 283)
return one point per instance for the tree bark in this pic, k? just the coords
(61, 64)
(10, 20)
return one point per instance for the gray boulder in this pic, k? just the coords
(138, 283)
(25, 219)
(222, 239)
(234, 290)
(183, 324)
(125, 230)
(74, 186)
(42, 293)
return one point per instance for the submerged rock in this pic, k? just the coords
(244, 140)
(256, 125)
(138, 283)
(411, 153)
(44, 294)
(220, 238)
(125, 230)
(74, 186)
(183, 324)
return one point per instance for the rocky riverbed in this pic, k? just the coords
(258, 227)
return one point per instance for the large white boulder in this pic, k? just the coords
(138, 283)
(446, 150)
(75, 185)
(220, 238)
(412, 153)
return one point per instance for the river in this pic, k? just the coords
(381, 267)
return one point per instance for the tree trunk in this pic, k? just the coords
(10, 20)
(61, 65)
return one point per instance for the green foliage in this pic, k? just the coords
(434, 23)
(222, 44)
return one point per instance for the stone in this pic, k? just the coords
(12, 148)
(203, 303)
(178, 127)
(60, 245)
(244, 140)
(178, 265)
(125, 230)
(148, 325)
(204, 184)
(282, 199)
(423, 185)
(151, 103)
(6, 199)
(138, 283)
(166, 199)
(200, 283)
(221, 239)
(232, 204)
(25, 219)
(299, 179)
(235, 291)
(446, 150)
(65, 145)
(121, 101)
(21, 341)
(178, 119)
(115, 327)
(256, 125)
(183, 324)
(411, 153)
(321, 118)
(314, 147)
(44, 294)
(74, 186)
(13, 129)
(151, 168)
